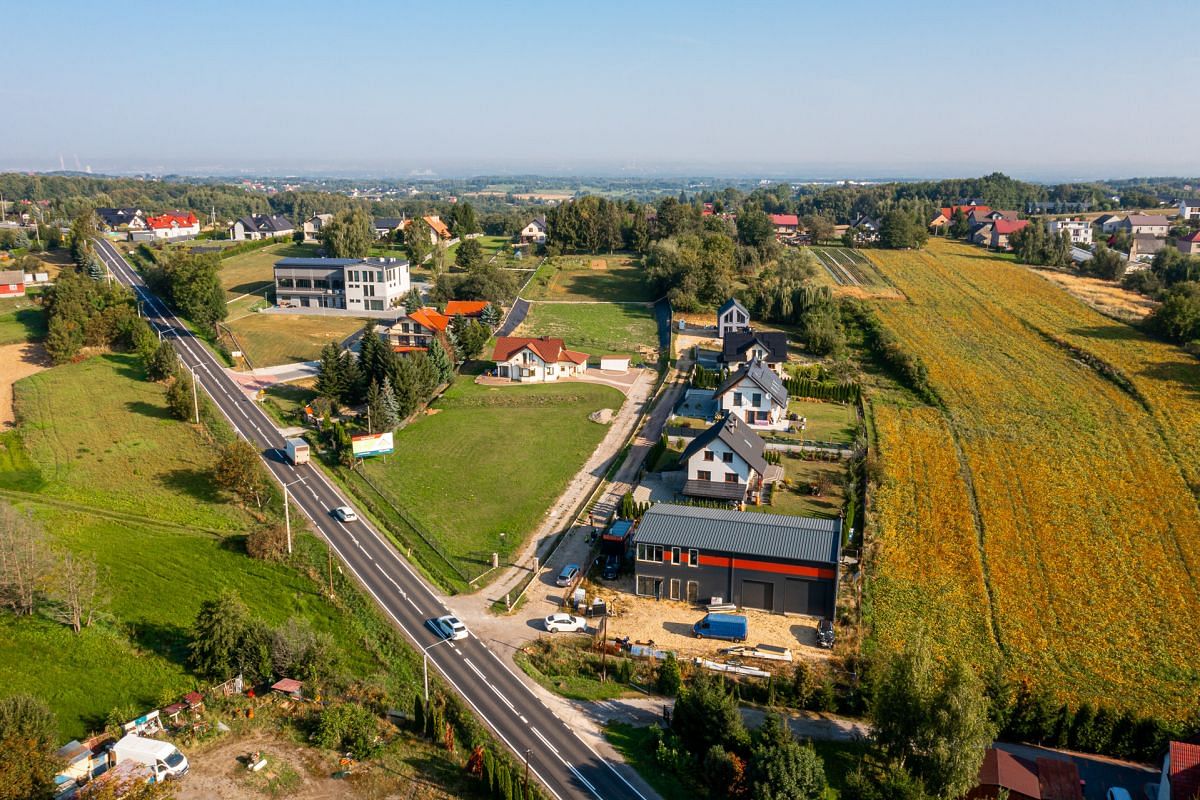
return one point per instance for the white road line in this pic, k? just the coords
(545, 741)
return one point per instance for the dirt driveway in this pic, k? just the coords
(17, 361)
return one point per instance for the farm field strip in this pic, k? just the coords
(1087, 522)
(840, 275)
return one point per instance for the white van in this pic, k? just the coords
(162, 758)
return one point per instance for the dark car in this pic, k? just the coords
(825, 634)
(612, 567)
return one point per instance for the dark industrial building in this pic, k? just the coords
(766, 561)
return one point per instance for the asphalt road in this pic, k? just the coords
(566, 766)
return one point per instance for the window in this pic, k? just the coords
(674, 588)
(320, 283)
(286, 283)
(368, 290)
(708, 455)
(352, 276)
(379, 276)
(693, 557)
(727, 458)
(375, 305)
(303, 283)
(737, 398)
(731, 477)
(756, 399)
(652, 553)
(675, 555)
(693, 591)
(703, 475)
(646, 584)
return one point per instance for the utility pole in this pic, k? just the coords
(527, 752)
(287, 517)
(329, 553)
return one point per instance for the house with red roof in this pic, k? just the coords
(1189, 245)
(1180, 773)
(1002, 230)
(12, 283)
(1004, 774)
(785, 224)
(417, 329)
(466, 308)
(173, 225)
(523, 358)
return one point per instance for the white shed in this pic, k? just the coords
(614, 363)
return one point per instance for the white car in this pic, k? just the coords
(449, 627)
(345, 514)
(565, 622)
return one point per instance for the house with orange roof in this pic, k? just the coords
(466, 308)
(173, 225)
(417, 329)
(523, 358)
(437, 228)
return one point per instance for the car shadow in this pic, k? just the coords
(678, 628)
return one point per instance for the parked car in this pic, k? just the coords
(567, 575)
(345, 514)
(612, 567)
(448, 627)
(825, 634)
(721, 626)
(556, 623)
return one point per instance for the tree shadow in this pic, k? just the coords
(166, 640)
(149, 409)
(128, 367)
(1114, 332)
(235, 543)
(250, 287)
(1184, 376)
(197, 483)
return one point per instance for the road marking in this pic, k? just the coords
(545, 741)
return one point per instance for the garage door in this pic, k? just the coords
(758, 594)
(806, 597)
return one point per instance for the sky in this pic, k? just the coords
(1050, 90)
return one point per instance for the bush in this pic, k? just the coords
(346, 726)
(267, 543)
(669, 677)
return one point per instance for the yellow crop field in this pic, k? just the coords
(1088, 529)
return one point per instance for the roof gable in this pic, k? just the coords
(736, 345)
(732, 303)
(1003, 769)
(737, 436)
(1006, 226)
(430, 318)
(761, 376)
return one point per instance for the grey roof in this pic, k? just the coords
(748, 533)
(1145, 219)
(388, 223)
(266, 223)
(732, 303)
(761, 375)
(736, 345)
(865, 221)
(737, 436)
(339, 262)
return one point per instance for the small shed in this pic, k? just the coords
(614, 363)
(194, 700)
(615, 540)
(288, 686)
(173, 711)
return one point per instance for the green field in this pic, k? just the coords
(110, 475)
(797, 497)
(251, 273)
(21, 320)
(826, 422)
(490, 461)
(612, 278)
(595, 328)
(272, 339)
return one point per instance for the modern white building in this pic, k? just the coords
(1189, 209)
(732, 317)
(756, 395)
(1079, 230)
(354, 284)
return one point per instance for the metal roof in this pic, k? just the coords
(339, 262)
(745, 533)
(763, 376)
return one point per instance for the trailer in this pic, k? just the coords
(297, 451)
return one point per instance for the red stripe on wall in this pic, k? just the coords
(766, 566)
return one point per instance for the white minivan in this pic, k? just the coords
(163, 758)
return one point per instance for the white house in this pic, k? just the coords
(756, 395)
(732, 318)
(261, 226)
(173, 225)
(727, 462)
(1180, 773)
(312, 226)
(1079, 230)
(1153, 224)
(122, 218)
(534, 232)
(1109, 222)
(1189, 209)
(355, 284)
(386, 227)
(739, 349)
(522, 358)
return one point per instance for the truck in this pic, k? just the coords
(732, 627)
(297, 451)
(163, 759)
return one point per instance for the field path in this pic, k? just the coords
(17, 361)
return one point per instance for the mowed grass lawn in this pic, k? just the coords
(250, 273)
(826, 422)
(595, 328)
(492, 460)
(611, 278)
(95, 439)
(21, 320)
(272, 339)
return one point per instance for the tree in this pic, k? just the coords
(441, 361)
(192, 283)
(75, 588)
(754, 228)
(412, 300)
(349, 234)
(28, 738)
(389, 409)
(490, 315)
(960, 226)
(823, 332)
(469, 254)
(900, 230)
(723, 772)
(486, 282)
(267, 542)
(706, 715)
(162, 362)
(238, 471)
(819, 227)
(25, 560)
(470, 337)
(782, 769)
(1178, 318)
(217, 636)
(300, 652)
(83, 230)
(181, 396)
(330, 374)
(418, 241)
(932, 722)
(348, 726)
(1107, 263)
(669, 677)
(462, 220)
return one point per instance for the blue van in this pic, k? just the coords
(721, 626)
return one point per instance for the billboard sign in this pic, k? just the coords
(367, 445)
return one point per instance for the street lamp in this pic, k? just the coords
(287, 516)
(425, 664)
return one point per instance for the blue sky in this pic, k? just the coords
(821, 89)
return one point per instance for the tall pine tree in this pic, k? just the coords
(441, 362)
